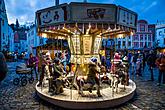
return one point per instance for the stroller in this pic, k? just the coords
(23, 71)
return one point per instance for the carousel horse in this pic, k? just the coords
(120, 76)
(105, 78)
(90, 80)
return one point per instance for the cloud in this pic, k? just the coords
(154, 3)
(25, 10)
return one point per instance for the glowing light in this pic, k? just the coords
(44, 35)
(84, 69)
(131, 33)
(120, 35)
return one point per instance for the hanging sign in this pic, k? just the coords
(87, 44)
(126, 17)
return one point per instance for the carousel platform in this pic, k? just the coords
(72, 100)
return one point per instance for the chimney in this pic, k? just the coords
(56, 2)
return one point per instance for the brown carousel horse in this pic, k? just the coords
(90, 80)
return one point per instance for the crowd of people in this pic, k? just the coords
(56, 67)
(138, 61)
(135, 61)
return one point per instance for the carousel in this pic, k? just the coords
(87, 84)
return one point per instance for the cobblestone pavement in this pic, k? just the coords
(148, 96)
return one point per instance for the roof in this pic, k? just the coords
(142, 21)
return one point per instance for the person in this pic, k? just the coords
(108, 63)
(161, 65)
(58, 70)
(44, 63)
(115, 62)
(138, 66)
(151, 63)
(15, 57)
(133, 61)
(143, 60)
(57, 75)
(33, 63)
(91, 76)
(3, 65)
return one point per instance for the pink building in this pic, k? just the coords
(144, 36)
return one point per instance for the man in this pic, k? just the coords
(44, 63)
(161, 64)
(58, 70)
(151, 63)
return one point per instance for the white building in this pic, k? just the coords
(3, 27)
(10, 39)
(34, 40)
(160, 34)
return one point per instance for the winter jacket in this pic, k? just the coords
(161, 63)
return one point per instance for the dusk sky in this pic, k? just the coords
(24, 10)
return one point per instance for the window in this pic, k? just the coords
(136, 44)
(41, 40)
(123, 43)
(3, 22)
(119, 44)
(129, 44)
(160, 33)
(141, 44)
(142, 27)
(149, 37)
(164, 41)
(32, 33)
(149, 44)
(145, 37)
(3, 36)
(136, 37)
(141, 37)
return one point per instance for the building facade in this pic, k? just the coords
(143, 38)
(10, 39)
(160, 34)
(34, 40)
(3, 27)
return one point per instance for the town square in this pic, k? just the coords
(87, 54)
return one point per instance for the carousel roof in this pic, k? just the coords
(85, 18)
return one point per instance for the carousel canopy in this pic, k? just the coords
(85, 18)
